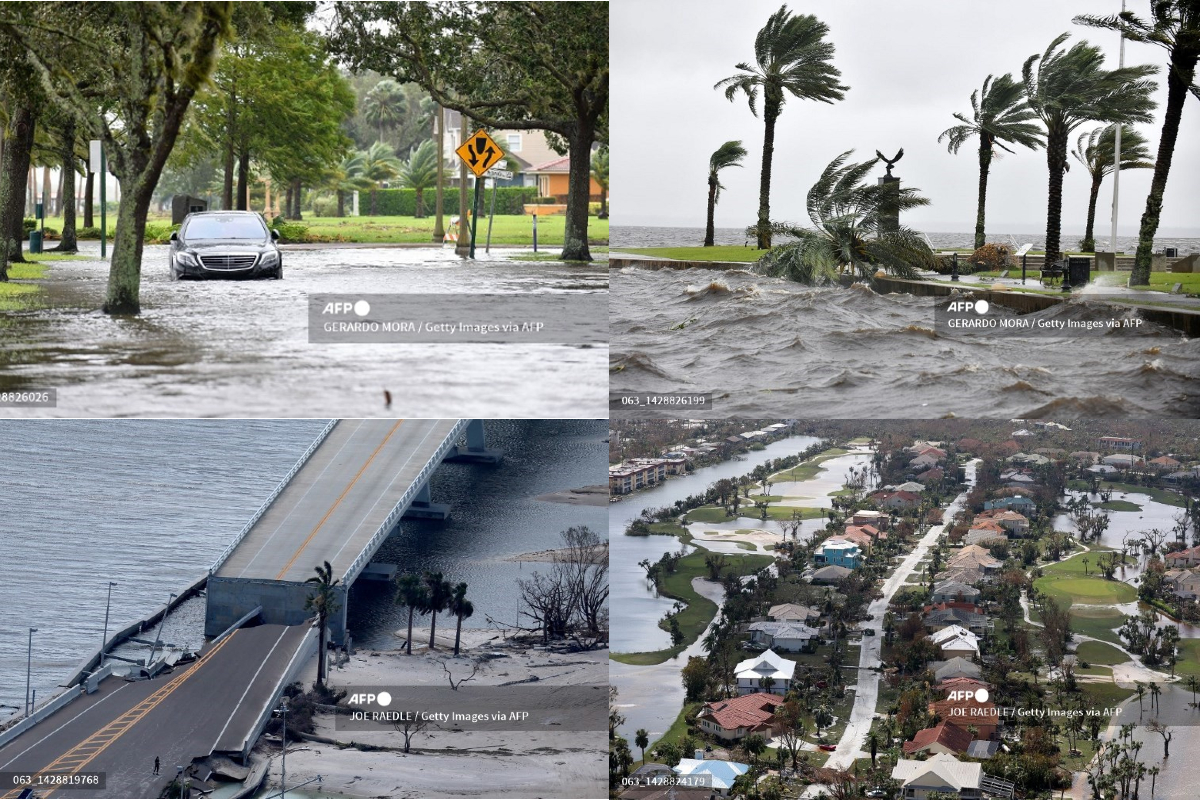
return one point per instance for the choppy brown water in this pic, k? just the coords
(768, 347)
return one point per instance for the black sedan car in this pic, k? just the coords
(225, 244)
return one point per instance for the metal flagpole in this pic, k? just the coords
(1117, 161)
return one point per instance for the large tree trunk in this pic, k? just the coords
(579, 179)
(14, 170)
(420, 202)
(230, 156)
(47, 196)
(439, 230)
(66, 243)
(1056, 163)
(296, 195)
(89, 220)
(1179, 77)
(1088, 245)
(770, 114)
(125, 269)
(243, 180)
(341, 196)
(985, 163)
(709, 229)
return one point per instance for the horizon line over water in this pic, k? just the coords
(666, 236)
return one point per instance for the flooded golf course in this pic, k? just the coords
(240, 348)
(766, 347)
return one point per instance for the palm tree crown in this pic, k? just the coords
(729, 154)
(323, 600)
(384, 105)
(1096, 151)
(792, 57)
(999, 113)
(1174, 25)
(1067, 88)
(420, 172)
(848, 230)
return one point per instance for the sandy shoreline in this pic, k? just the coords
(553, 555)
(455, 763)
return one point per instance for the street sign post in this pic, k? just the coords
(480, 153)
(96, 165)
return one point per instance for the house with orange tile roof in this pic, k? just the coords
(945, 737)
(738, 717)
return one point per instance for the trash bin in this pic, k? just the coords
(1079, 270)
(35, 241)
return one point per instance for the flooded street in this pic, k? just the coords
(764, 346)
(240, 348)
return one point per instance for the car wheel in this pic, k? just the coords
(278, 273)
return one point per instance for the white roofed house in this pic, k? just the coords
(941, 773)
(790, 637)
(956, 641)
(771, 667)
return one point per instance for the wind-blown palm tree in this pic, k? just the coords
(323, 600)
(462, 608)
(729, 154)
(410, 593)
(1096, 150)
(1069, 88)
(600, 176)
(347, 177)
(793, 58)
(999, 113)
(420, 172)
(438, 594)
(1175, 26)
(384, 105)
(379, 164)
(848, 231)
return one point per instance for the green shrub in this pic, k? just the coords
(87, 233)
(28, 225)
(325, 207)
(159, 234)
(544, 200)
(291, 232)
(403, 202)
(991, 257)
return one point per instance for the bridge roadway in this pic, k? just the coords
(333, 506)
(211, 705)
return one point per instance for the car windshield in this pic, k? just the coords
(221, 227)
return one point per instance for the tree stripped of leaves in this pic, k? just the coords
(526, 65)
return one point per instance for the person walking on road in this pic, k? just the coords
(156, 765)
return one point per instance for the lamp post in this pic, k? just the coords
(29, 669)
(158, 636)
(107, 606)
(283, 712)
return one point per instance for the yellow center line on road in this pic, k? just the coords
(336, 503)
(86, 751)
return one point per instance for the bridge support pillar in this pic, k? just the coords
(476, 449)
(423, 506)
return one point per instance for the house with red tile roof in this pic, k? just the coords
(739, 717)
(896, 500)
(945, 737)
(967, 713)
(1184, 558)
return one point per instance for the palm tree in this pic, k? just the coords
(347, 177)
(848, 231)
(642, 740)
(420, 172)
(1096, 150)
(999, 113)
(792, 57)
(438, 599)
(1174, 25)
(323, 600)
(600, 176)
(379, 164)
(384, 105)
(729, 154)
(462, 608)
(1068, 89)
(410, 593)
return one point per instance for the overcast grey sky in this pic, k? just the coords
(909, 66)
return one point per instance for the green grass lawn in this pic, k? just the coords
(1189, 657)
(1100, 653)
(808, 469)
(1120, 505)
(734, 253)
(1066, 581)
(22, 296)
(716, 514)
(1159, 281)
(1164, 496)
(1098, 622)
(700, 610)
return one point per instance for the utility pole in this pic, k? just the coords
(439, 231)
(1117, 161)
(29, 670)
(107, 606)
